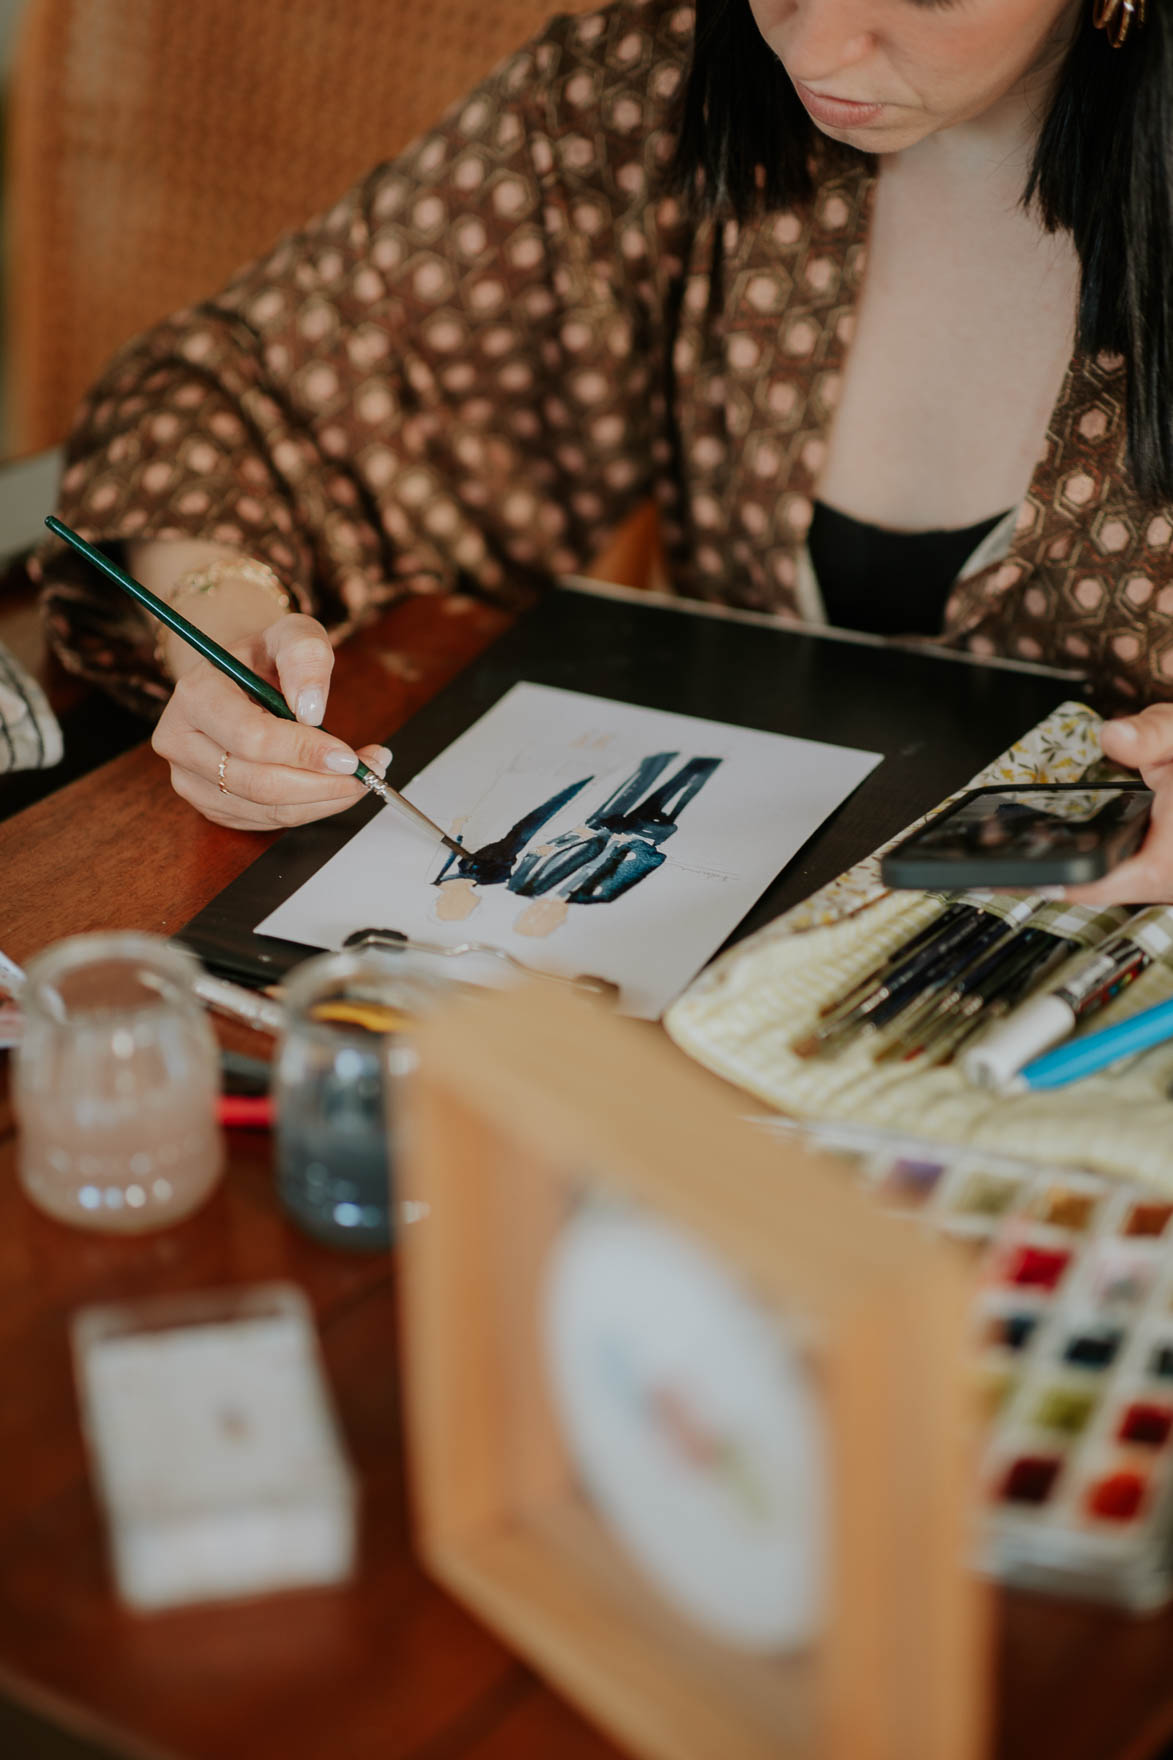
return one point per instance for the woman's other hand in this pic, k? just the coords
(1143, 742)
(243, 767)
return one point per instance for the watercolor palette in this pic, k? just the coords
(1073, 1330)
(1078, 1474)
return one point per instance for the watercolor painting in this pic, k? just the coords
(607, 852)
(602, 838)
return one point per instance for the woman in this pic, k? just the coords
(599, 279)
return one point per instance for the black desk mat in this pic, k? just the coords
(936, 719)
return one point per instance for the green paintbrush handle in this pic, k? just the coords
(233, 668)
(227, 663)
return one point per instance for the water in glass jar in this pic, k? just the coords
(115, 1085)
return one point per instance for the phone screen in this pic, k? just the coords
(1023, 837)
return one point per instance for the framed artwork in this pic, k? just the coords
(689, 1419)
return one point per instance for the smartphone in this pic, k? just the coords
(1044, 834)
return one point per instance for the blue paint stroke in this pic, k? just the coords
(622, 845)
(613, 850)
(492, 863)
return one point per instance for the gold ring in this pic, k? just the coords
(220, 768)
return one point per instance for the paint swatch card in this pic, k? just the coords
(603, 838)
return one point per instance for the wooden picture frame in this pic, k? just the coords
(517, 1099)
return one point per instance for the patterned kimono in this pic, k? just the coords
(474, 366)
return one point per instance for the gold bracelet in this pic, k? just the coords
(200, 581)
(206, 580)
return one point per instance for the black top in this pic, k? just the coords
(891, 583)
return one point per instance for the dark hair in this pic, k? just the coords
(1103, 171)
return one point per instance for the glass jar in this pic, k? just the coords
(346, 1043)
(115, 1084)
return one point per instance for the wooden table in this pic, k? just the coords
(389, 1667)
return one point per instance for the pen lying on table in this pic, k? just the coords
(12, 982)
(12, 977)
(245, 1112)
(258, 1010)
(257, 688)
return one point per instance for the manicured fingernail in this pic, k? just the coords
(379, 759)
(311, 706)
(1125, 730)
(340, 760)
(1051, 893)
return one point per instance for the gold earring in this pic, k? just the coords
(1115, 17)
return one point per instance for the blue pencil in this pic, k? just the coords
(1083, 1057)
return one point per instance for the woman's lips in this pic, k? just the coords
(837, 112)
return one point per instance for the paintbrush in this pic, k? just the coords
(261, 692)
(937, 926)
(999, 980)
(934, 964)
(999, 1000)
(1014, 944)
(915, 989)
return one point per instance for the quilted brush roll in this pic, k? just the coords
(744, 1016)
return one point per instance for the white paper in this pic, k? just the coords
(708, 816)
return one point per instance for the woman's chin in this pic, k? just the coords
(879, 137)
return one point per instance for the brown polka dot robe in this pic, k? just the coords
(469, 371)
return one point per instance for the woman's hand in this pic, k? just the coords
(1144, 742)
(274, 772)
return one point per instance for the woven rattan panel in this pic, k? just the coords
(156, 145)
